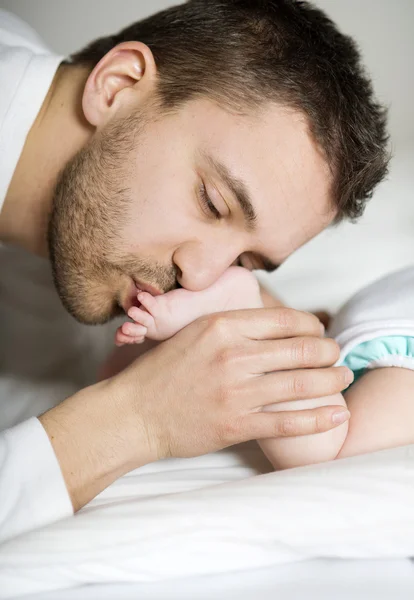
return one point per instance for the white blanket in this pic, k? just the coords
(142, 529)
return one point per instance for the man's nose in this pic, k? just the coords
(199, 267)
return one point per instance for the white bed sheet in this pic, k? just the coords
(321, 579)
(178, 520)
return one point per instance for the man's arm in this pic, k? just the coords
(55, 464)
(97, 438)
(161, 406)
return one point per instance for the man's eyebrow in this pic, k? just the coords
(237, 187)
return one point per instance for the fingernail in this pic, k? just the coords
(349, 376)
(322, 329)
(341, 417)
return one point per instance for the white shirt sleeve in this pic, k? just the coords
(32, 489)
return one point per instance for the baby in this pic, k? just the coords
(373, 425)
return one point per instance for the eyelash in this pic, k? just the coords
(207, 203)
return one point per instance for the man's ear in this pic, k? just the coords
(129, 68)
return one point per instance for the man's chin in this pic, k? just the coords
(90, 312)
(95, 318)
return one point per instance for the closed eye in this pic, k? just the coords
(208, 206)
(257, 263)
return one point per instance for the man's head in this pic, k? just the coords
(223, 131)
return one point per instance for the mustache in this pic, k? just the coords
(151, 273)
(163, 284)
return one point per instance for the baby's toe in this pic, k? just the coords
(148, 302)
(133, 329)
(121, 339)
(141, 317)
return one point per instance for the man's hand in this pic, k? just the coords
(204, 389)
(198, 392)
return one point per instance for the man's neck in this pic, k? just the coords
(59, 131)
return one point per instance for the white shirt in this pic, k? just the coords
(27, 69)
(33, 375)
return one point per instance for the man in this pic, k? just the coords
(215, 132)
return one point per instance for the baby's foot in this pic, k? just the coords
(161, 317)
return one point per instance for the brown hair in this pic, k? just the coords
(245, 52)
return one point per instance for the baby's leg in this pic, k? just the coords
(381, 403)
(288, 452)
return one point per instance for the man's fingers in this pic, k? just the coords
(265, 323)
(295, 353)
(296, 385)
(292, 423)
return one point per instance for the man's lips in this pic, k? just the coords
(145, 287)
(136, 287)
